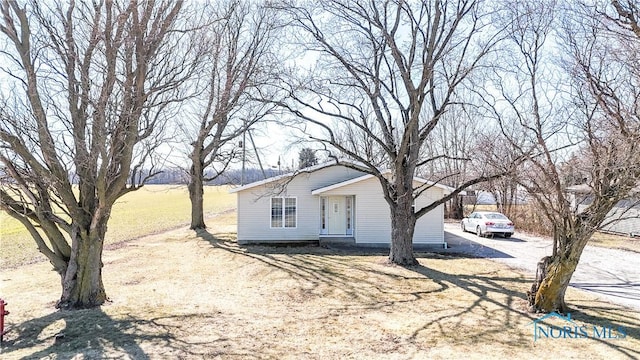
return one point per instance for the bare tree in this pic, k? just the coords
(605, 67)
(459, 135)
(595, 119)
(505, 190)
(386, 73)
(238, 63)
(96, 78)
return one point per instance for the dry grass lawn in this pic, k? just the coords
(613, 241)
(182, 295)
(152, 209)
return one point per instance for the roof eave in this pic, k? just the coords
(309, 169)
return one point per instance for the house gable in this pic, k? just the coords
(254, 205)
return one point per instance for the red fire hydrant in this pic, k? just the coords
(3, 312)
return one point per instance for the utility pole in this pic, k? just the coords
(244, 147)
(264, 175)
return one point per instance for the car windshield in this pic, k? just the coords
(495, 216)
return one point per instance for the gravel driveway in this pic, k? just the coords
(612, 274)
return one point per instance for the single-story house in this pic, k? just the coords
(329, 203)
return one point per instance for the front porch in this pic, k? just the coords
(337, 240)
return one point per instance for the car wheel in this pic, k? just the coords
(462, 226)
(507, 235)
(478, 231)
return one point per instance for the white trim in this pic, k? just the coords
(276, 178)
(369, 176)
(309, 169)
(284, 206)
(322, 213)
(340, 184)
(334, 186)
(348, 213)
(350, 226)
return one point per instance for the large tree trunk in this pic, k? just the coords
(82, 285)
(553, 276)
(196, 192)
(403, 223)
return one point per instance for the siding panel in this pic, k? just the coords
(430, 227)
(621, 220)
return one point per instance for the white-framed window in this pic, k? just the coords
(284, 212)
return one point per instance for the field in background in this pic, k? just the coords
(152, 209)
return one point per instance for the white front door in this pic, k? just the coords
(337, 215)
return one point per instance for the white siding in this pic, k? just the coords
(621, 219)
(373, 217)
(430, 227)
(254, 206)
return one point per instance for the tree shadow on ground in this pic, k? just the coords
(323, 265)
(462, 245)
(614, 284)
(94, 334)
(314, 266)
(595, 313)
(602, 315)
(228, 241)
(495, 297)
(626, 289)
(486, 288)
(507, 239)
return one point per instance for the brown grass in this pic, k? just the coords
(154, 208)
(183, 295)
(613, 241)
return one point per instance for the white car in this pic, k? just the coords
(488, 223)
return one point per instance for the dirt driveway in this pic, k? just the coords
(611, 274)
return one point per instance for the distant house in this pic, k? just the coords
(329, 203)
(623, 219)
